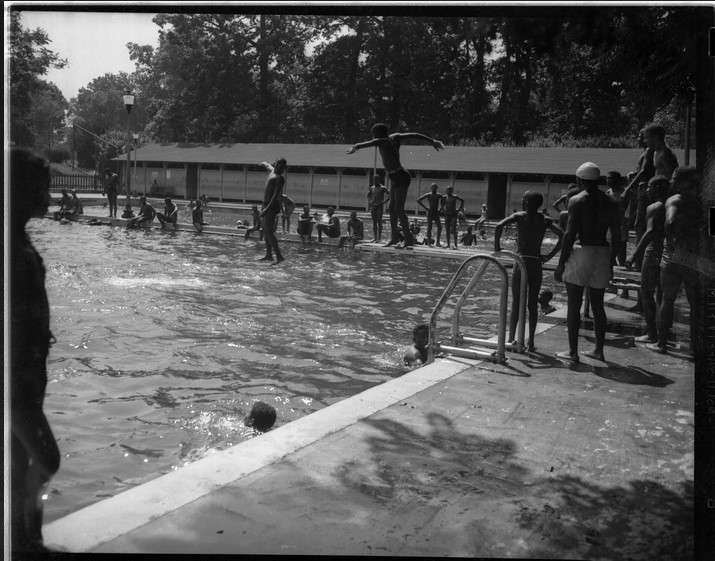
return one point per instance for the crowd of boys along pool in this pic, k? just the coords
(660, 202)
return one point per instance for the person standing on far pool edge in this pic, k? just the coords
(591, 215)
(34, 455)
(389, 147)
(111, 188)
(272, 208)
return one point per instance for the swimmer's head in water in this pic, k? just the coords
(29, 186)
(262, 416)
(379, 130)
(532, 200)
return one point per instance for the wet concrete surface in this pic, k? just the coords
(534, 458)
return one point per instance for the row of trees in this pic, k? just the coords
(586, 76)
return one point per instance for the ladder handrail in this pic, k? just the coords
(501, 336)
(450, 288)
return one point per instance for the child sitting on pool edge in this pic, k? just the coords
(417, 354)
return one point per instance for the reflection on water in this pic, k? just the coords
(165, 339)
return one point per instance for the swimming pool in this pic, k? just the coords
(165, 339)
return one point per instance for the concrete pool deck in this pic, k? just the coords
(532, 458)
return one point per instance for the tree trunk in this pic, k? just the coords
(351, 132)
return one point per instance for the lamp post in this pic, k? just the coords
(128, 104)
(135, 139)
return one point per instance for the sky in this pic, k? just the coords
(93, 43)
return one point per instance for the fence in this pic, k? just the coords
(76, 182)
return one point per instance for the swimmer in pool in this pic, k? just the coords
(531, 225)
(417, 354)
(262, 416)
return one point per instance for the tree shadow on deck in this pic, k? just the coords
(554, 516)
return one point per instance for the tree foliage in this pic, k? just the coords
(592, 76)
(30, 58)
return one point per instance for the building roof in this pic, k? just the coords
(551, 161)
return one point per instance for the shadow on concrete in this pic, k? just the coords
(547, 361)
(631, 375)
(558, 516)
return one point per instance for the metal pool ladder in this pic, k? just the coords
(457, 341)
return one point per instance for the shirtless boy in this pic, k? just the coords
(531, 226)
(355, 231)
(434, 203)
(272, 207)
(683, 220)
(332, 228)
(305, 225)
(389, 147)
(377, 196)
(650, 250)
(591, 215)
(451, 214)
(170, 214)
(417, 354)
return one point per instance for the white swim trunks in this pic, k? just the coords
(589, 266)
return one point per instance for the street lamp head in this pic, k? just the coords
(128, 101)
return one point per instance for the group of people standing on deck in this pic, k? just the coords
(661, 203)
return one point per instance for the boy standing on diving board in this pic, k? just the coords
(389, 147)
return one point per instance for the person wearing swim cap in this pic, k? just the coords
(389, 147)
(531, 226)
(434, 203)
(591, 216)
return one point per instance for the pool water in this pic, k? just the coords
(166, 339)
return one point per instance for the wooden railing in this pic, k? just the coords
(76, 182)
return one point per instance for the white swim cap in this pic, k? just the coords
(588, 171)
